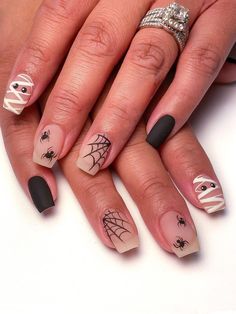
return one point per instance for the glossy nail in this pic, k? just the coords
(40, 193)
(93, 154)
(160, 131)
(178, 232)
(209, 194)
(119, 230)
(18, 93)
(48, 146)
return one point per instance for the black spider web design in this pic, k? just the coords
(114, 225)
(99, 150)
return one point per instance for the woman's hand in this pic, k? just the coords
(101, 32)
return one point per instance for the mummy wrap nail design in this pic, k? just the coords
(178, 232)
(209, 194)
(18, 93)
(119, 230)
(48, 146)
(93, 155)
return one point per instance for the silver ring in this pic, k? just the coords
(174, 19)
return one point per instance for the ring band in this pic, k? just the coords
(174, 19)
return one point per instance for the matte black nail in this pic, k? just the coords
(40, 193)
(231, 60)
(161, 131)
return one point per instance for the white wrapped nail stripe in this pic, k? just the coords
(215, 202)
(15, 99)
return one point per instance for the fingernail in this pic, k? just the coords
(48, 146)
(18, 93)
(40, 193)
(119, 231)
(231, 60)
(93, 154)
(161, 131)
(178, 232)
(209, 194)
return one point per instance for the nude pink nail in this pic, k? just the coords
(48, 145)
(119, 230)
(209, 194)
(178, 232)
(93, 154)
(18, 93)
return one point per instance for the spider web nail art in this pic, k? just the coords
(99, 151)
(114, 225)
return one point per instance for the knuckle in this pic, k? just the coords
(148, 55)
(98, 39)
(66, 105)
(38, 52)
(119, 113)
(206, 60)
(15, 128)
(56, 11)
(152, 186)
(95, 188)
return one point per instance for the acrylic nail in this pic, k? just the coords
(48, 146)
(160, 131)
(93, 154)
(40, 193)
(18, 93)
(119, 231)
(209, 194)
(179, 234)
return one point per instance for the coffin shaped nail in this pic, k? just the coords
(40, 193)
(18, 93)
(209, 194)
(160, 131)
(48, 146)
(93, 154)
(179, 234)
(119, 230)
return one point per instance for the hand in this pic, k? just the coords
(101, 32)
(140, 168)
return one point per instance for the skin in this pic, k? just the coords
(95, 46)
(143, 171)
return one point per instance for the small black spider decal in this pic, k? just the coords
(180, 243)
(50, 154)
(181, 221)
(45, 136)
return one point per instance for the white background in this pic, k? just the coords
(56, 264)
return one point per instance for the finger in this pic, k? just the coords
(161, 206)
(194, 175)
(210, 42)
(228, 72)
(38, 183)
(55, 25)
(99, 45)
(149, 59)
(102, 204)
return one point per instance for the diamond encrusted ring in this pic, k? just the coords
(174, 19)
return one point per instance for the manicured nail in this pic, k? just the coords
(231, 60)
(209, 194)
(40, 193)
(18, 93)
(119, 230)
(48, 146)
(178, 232)
(93, 154)
(161, 131)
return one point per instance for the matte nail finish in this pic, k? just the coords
(119, 230)
(231, 60)
(40, 193)
(179, 233)
(18, 93)
(93, 154)
(161, 131)
(209, 194)
(48, 146)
